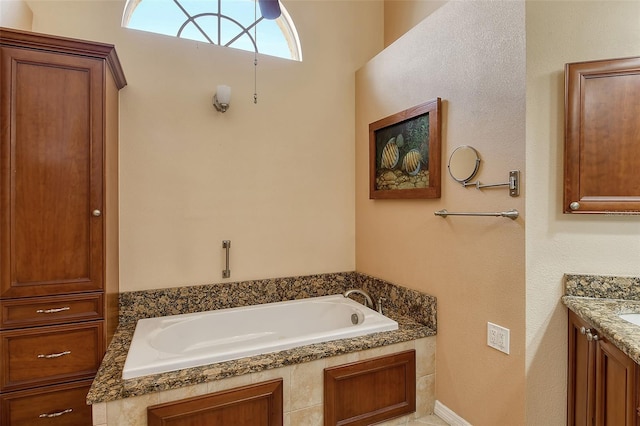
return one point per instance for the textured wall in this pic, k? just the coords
(15, 14)
(402, 15)
(472, 55)
(557, 33)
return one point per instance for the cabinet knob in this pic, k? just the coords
(96, 213)
(583, 330)
(574, 206)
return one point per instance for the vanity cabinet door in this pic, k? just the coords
(637, 410)
(581, 374)
(615, 386)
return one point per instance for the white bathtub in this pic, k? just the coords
(189, 340)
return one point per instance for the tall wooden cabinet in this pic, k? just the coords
(58, 223)
(602, 383)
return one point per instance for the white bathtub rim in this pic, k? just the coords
(140, 363)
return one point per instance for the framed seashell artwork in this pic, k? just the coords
(404, 153)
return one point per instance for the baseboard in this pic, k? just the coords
(446, 414)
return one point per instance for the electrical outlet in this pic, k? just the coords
(498, 337)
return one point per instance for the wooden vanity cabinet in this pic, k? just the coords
(602, 380)
(58, 220)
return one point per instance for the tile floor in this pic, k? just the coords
(431, 420)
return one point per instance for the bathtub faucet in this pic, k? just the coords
(368, 301)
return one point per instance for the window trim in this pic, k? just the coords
(284, 22)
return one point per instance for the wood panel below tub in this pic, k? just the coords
(366, 392)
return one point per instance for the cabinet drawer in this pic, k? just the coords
(35, 311)
(47, 355)
(62, 405)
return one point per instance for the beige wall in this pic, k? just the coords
(557, 33)
(472, 55)
(15, 14)
(402, 15)
(276, 178)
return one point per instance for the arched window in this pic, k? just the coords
(229, 23)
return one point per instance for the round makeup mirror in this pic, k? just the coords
(464, 163)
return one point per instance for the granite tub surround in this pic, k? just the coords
(599, 300)
(180, 300)
(400, 301)
(302, 389)
(415, 313)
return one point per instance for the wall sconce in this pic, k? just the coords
(222, 98)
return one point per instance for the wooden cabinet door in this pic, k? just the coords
(637, 408)
(253, 405)
(370, 391)
(615, 386)
(602, 146)
(581, 375)
(51, 165)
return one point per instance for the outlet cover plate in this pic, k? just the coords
(498, 337)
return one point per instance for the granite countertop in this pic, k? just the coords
(414, 312)
(603, 315)
(599, 300)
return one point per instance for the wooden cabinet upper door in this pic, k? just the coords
(51, 166)
(615, 387)
(602, 137)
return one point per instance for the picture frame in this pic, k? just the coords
(405, 153)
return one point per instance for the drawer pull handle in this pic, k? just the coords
(58, 414)
(52, 311)
(54, 355)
